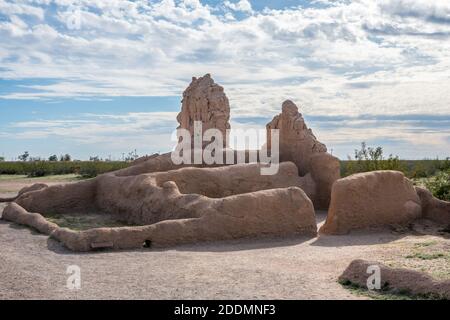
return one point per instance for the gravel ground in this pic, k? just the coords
(34, 267)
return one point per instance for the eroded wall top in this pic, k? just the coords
(297, 141)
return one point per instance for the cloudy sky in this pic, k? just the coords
(97, 77)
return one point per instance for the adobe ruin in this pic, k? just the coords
(172, 204)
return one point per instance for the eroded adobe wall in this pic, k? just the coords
(149, 198)
(185, 192)
(433, 208)
(236, 179)
(371, 199)
(276, 212)
(298, 144)
(137, 199)
(65, 198)
(297, 141)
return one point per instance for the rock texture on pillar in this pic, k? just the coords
(205, 101)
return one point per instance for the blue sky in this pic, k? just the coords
(105, 77)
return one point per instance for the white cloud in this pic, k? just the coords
(241, 5)
(11, 8)
(146, 131)
(437, 10)
(347, 57)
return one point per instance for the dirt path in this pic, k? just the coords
(32, 266)
(11, 184)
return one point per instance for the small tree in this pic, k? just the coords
(24, 156)
(2, 159)
(371, 159)
(67, 157)
(132, 155)
(53, 158)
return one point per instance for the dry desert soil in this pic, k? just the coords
(32, 266)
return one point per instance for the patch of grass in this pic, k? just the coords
(385, 293)
(426, 244)
(376, 295)
(426, 256)
(429, 256)
(79, 222)
(11, 177)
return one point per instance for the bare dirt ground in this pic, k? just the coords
(34, 267)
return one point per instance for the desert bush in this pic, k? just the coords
(418, 171)
(439, 185)
(445, 165)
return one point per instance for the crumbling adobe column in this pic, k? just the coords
(205, 101)
(299, 145)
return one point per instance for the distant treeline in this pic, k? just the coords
(411, 168)
(372, 158)
(85, 169)
(433, 174)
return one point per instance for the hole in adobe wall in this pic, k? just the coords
(147, 244)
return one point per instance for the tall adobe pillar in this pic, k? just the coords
(299, 145)
(205, 101)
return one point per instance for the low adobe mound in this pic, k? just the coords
(275, 212)
(168, 216)
(144, 199)
(396, 280)
(371, 199)
(432, 208)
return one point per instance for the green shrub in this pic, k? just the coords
(89, 171)
(439, 185)
(445, 165)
